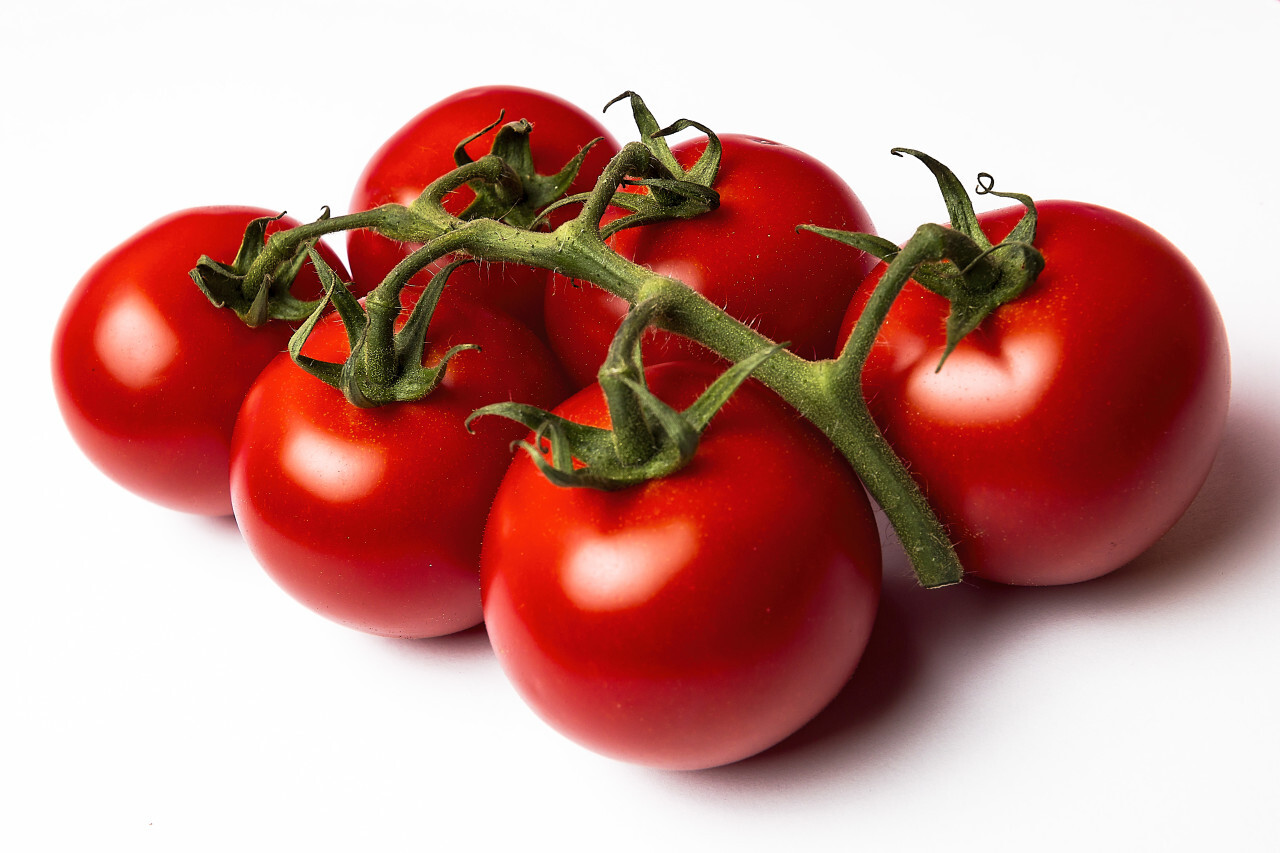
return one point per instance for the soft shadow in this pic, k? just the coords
(224, 524)
(1238, 504)
(469, 645)
(888, 666)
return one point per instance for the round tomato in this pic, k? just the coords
(422, 151)
(372, 517)
(1075, 425)
(149, 375)
(745, 256)
(696, 619)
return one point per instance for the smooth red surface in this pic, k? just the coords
(697, 619)
(373, 517)
(1074, 427)
(422, 151)
(149, 375)
(745, 256)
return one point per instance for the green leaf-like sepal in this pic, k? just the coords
(520, 197)
(270, 297)
(673, 192)
(654, 136)
(975, 276)
(1019, 265)
(959, 206)
(1025, 230)
(381, 368)
(649, 439)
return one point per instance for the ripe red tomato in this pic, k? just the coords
(696, 619)
(745, 256)
(149, 375)
(422, 151)
(1075, 425)
(373, 517)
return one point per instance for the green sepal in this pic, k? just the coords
(1018, 266)
(648, 440)
(930, 276)
(650, 132)
(703, 172)
(942, 280)
(336, 293)
(992, 275)
(226, 285)
(521, 196)
(674, 192)
(1025, 230)
(654, 136)
(959, 206)
(999, 275)
(679, 200)
(375, 374)
(872, 244)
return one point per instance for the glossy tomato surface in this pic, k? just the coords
(373, 517)
(694, 620)
(422, 151)
(1074, 427)
(149, 375)
(745, 256)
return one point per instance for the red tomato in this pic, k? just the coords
(149, 375)
(744, 256)
(1075, 425)
(422, 151)
(373, 517)
(696, 619)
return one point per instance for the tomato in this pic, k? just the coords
(696, 619)
(373, 517)
(745, 256)
(422, 151)
(149, 375)
(1075, 425)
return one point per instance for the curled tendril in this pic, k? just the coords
(986, 183)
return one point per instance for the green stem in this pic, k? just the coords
(828, 393)
(922, 535)
(382, 307)
(633, 159)
(633, 437)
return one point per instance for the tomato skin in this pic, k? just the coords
(373, 517)
(149, 375)
(745, 256)
(1074, 427)
(422, 151)
(694, 620)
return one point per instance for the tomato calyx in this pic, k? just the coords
(670, 191)
(971, 273)
(266, 296)
(384, 366)
(521, 193)
(648, 439)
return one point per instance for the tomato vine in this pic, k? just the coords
(677, 567)
(825, 391)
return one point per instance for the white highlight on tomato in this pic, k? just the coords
(330, 467)
(976, 386)
(135, 342)
(626, 569)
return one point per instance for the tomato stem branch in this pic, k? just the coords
(826, 392)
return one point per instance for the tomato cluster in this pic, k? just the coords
(702, 615)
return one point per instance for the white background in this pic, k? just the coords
(158, 691)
